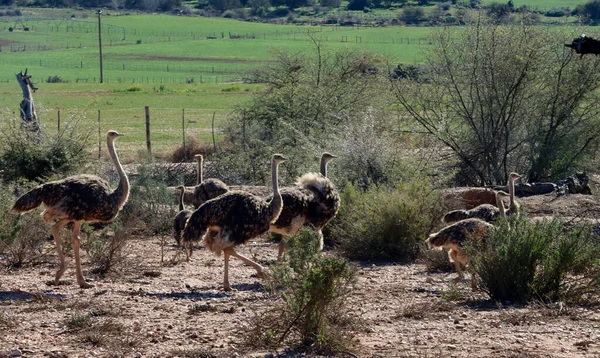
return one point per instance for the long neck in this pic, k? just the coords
(122, 191)
(500, 204)
(276, 204)
(323, 167)
(511, 191)
(200, 174)
(181, 194)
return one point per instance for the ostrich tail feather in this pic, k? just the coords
(28, 201)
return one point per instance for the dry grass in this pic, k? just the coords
(192, 353)
(112, 336)
(423, 310)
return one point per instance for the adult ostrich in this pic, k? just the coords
(313, 201)
(234, 218)
(77, 199)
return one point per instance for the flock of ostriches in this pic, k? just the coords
(227, 216)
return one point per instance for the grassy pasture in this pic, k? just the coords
(543, 4)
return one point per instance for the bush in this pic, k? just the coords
(107, 249)
(558, 12)
(525, 261)
(313, 291)
(192, 147)
(22, 237)
(384, 223)
(24, 155)
(56, 79)
(412, 14)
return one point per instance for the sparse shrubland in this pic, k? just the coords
(524, 261)
(311, 314)
(385, 223)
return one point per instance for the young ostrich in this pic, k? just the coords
(234, 218)
(513, 206)
(77, 199)
(181, 217)
(455, 236)
(206, 189)
(313, 201)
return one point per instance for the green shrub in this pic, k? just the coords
(34, 158)
(385, 223)
(22, 237)
(524, 261)
(313, 290)
(107, 249)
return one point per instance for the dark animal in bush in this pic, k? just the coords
(77, 199)
(584, 45)
(206, 189)
(485, 212)
(313, 201)
(181, 217)
(455, 236)
(234, 218)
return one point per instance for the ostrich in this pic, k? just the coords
(485, 212)
(313, 201)
(234, 218)
(77, 199)
(455, 236)
(206, 189)
(181, 217)
(513, 206)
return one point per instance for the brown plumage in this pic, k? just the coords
(468, 198)
(513, 206)
(77, 199)
(258, 190)
(206, 189)
(313, 201)
(455, 236)
(181, 217)
(232, 219)
(485, 212)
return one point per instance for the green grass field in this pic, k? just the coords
(543, 4)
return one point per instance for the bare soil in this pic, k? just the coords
(151, 309)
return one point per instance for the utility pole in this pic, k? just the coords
(100, 44)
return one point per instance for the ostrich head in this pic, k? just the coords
(199, 157)
(278, 158)
(328, 156)
(502, 194)
(180, 188)
(112, 135)
(514, 176)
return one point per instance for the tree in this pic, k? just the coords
(507, 99)
(358, 4)
(412, 14)
(591, 10)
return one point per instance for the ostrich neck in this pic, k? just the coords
(511, 191)
(122, 191)
(276, 203)
(199, 177)
(500, 204)
(323, 167)
(181, 207)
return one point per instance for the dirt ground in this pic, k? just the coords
(155, 310)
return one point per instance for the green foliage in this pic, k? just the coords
(107, 249)
(27, 156)
(151, 204)
(589, 10)
(313, 289)
(524, 261)
(22, 237)
(385, 223)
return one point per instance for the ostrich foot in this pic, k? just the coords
(83, 284)
(226, 287)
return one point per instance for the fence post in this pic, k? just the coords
(183, 127)
(213, 133)
(99, 137)
(148, 145)
(59, 121)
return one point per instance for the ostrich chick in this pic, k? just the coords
(234, 218)
(455, 236)
(77, 199)
(514, 208)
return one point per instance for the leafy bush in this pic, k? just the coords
(558, 12)
(56, 79)
(313, 290)
(24, 155)
(192, 147)
(524, 261)
(385, 223)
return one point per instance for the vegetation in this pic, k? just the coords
(546, 262)
(385, 223)
(313, 289)
(505, 99)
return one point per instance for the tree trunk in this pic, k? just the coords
(27, 108)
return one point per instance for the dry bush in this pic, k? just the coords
(110, 335)
(192, 353)
(425, 309)
(192, 147)
(436, 260)
(108, 249)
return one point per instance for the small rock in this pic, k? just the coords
(138, 354)
(194, 335)
(16, 353)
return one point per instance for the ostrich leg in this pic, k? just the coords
(61, 256)
(76, 245)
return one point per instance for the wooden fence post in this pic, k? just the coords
(148, 145)
(183, 127)
(99, 137)
(59, 121)
(213, 133)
